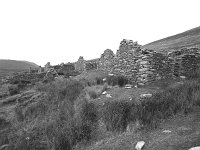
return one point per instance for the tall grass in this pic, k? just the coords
(115, 115)
(117, 80)
(58, 122)
(150, 111)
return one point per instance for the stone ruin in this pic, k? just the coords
(143, 66)
(91, 64)
(86, 65)
(139, 65)
(106, 60)
(80, 64)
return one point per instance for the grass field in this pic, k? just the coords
(188, 38)
(69, 113)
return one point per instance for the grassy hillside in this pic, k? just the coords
(11, 66)
(190, 38)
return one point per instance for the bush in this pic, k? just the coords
(31, 138)
(35, 109)
(86, 119)
(122, 81)
(41, 87)
(19, 113)
(116, 115)
(93, 94)
(112, 80)
(164, 104)
(99, 80)
(13, 90)
(117, 80)
(150, 111)
(61, 90)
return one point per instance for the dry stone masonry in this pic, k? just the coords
(143, 66)
(106, 60)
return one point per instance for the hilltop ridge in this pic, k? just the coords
(11, 66)
(189, 38)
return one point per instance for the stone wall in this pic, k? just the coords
(142, 65)
(125, 60)
(106, 61)
(91, 64)
(80, 64)
(30, 77)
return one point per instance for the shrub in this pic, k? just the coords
(86, 118)
(13, 90)
(193, 74)
(112, 80)
(93, 94)
(35, 109)
(117, 80)
(99, 80)
(3, 136)
(116, 115)
(164, 104)
(31, 138)
(122, 81)
(62, 90)
(19, 113)
(41, 87)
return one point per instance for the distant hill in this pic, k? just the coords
(12, 66)
(190, 38)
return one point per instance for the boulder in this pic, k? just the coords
(139, 145)
(195, 148)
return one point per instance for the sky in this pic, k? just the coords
(57, 31)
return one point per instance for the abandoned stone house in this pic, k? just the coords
(137, 64)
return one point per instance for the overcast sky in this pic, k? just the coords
(62, 30)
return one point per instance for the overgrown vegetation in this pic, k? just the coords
(117, 80)
(66, 116)
(162, 105)
(60, 121)
(93, 94)
(115, 115)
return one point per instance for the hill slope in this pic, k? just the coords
(190, 38)
(11, 66)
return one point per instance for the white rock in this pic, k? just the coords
(136, 86)
(104, 92)
(167, 131)
(128, 87)
(139, 145)
(141, 84)
(182, 77)
(145, 95)
(110, 74)
(108, 95)
(104, 79)
(195, 148)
